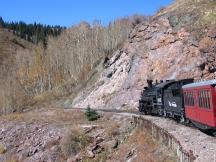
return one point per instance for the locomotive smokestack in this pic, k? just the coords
(149, 83)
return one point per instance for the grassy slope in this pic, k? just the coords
(11, 47)
(194, 15)
(9, 44)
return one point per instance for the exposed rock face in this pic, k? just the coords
(154, 51)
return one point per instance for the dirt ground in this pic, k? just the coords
(56, 135)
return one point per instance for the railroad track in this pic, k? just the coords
(132, 112)
(137, 113)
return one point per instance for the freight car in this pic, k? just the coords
(182, 100)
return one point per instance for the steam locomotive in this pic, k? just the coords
(182, 100)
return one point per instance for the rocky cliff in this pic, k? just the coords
(179, 42)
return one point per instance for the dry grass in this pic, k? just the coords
(59, 117)
(102, 157)
(73, 142)
(2, 149)
(12, 160)
(46, 97)
(146, 149)
(113, 130)
(194, 15)
(12, 97)
(14, 117)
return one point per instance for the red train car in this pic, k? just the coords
(200, 104)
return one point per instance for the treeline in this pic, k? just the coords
(34, 33)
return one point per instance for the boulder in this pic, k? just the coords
(110, 145)
(75, 158)
(90, 154)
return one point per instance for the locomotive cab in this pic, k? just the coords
(174, 101)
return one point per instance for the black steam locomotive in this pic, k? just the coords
(164, 98)
(182, 100)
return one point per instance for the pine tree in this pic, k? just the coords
(2, 24)
(91, 115)
(32, 32)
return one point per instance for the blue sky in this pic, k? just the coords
(69, 12)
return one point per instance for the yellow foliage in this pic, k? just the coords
(37, 69)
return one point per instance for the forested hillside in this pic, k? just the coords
(34, 33)
(35, 74)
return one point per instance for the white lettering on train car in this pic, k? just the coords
(172, 104)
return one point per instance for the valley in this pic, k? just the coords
(50, 75)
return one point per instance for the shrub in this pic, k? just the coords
(91, 115)
(137, 19)
(160, 9)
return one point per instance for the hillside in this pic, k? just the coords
(34, 33)
(12, 49)
(34, 74)
(9, 45)
(179, 42)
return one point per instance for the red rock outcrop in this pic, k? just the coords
(154, 51)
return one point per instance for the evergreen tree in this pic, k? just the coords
(2, 23)
(32, 32)
(91, 115)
